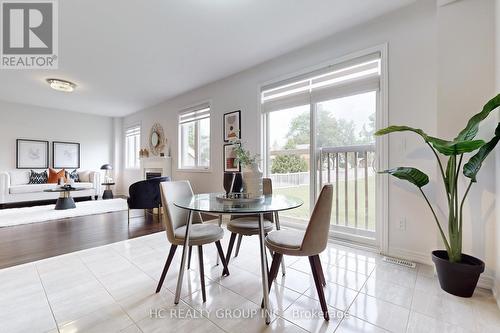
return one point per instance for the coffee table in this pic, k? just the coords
(65, 200)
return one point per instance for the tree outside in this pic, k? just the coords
(289, 163)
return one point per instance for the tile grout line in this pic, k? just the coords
(107, 291)
(411, 302)
(46, 297)
(182, 299)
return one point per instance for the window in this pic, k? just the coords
(194, 138)
(132, 147)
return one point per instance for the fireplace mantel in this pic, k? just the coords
(159, 164)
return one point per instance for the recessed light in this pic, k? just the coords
(61, 85)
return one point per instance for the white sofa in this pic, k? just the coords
(14, 187)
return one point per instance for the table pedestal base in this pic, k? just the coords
(107, 194)
(65, 203)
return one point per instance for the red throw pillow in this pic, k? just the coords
(55, 175)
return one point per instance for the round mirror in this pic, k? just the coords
(155, 140)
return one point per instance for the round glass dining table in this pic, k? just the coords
(210, 203)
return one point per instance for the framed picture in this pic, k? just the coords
(230, 163)
(65, 155)
(32, 154)
(232, 126)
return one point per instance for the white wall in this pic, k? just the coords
(410, 34)
(94, 133)
(466, 62)
(497, 85)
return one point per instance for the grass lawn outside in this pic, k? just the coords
(302, 192)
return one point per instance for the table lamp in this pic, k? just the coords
(107, 167)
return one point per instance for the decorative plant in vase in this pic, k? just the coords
(251, 173)
(458, 273)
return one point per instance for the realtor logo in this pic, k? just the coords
(29, 34)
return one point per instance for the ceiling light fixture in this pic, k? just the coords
(61, 85)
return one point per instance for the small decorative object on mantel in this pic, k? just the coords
(232, 126)
(251, 173)
(143, 153)
(157, 139)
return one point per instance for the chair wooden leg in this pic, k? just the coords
(159, 213)
(273, 272)
(240, 236)
(230, 247)
(202, 273)
(189, 257)
(225, 271)
(167, 265)
(313, 261)
(320, 271)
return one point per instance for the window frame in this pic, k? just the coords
(196, 168)
(138, 136)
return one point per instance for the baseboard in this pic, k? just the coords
(418, 257)
(496, 294)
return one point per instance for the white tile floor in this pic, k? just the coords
(111, 289)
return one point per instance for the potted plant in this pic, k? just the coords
(251, 173)
(458, 273)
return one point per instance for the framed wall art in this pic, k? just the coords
(230, 162)
(65, 155)
(32, 154)
(232, 126)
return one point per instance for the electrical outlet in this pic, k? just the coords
(402, 224)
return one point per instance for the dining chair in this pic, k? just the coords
(175, 222)
(248, 225)
(309, 243)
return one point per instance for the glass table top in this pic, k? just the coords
(209, 203)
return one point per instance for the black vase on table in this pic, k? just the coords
(233, 182)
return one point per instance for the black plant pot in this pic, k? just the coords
(459, 279)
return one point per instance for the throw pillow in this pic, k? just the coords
(38, 177)
(84, 176)
(73, 175)
(55, 175)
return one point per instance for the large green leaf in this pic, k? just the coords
(413, 175)
(470, 131)
(457, 147)
(472, 167)
(395, 128)
(443, 146)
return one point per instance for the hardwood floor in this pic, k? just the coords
(26, 243)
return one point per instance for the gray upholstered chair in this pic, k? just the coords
(175, 220)
(306, 244)
(248, 225)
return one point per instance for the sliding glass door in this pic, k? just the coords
(289, 156)
(318, 130)
(346, 147)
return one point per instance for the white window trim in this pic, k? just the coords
(194, 169)
(128, 127)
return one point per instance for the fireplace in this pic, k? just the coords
(153, 174)
(155, 167)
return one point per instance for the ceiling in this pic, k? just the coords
(127, 55)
